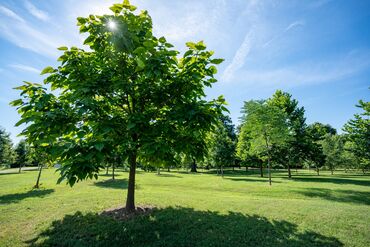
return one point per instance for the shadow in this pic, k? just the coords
(114, 184)
(109, 175)
(349, 196)
(333, 179)
(14, 198)
(262, 180)
(166, 175)
(177, 227)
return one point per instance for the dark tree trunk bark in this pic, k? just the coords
(106, 172)
(130, 201)
(113, 172)
(289, 172)
(261, 169)
(38, 178)
(193, 166)
(20, 168)
(233, 168)
(318, 171)
(269, 168)
(246, 168)
(158, 171)
(168, 169)
(363, 171)
(222, 171)
(332, 172)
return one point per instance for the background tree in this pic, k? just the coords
(358, 132)
(7, 155)
(333, 149)
(266, 125)
(130, 91)
(223, 144)
(295, 150)
(23, 157)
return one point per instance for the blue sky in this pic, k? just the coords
(319, 51)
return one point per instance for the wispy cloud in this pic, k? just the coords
(291, 26)
(308, 72)
(33, 10)
(26, 68)
(9, 13)
(239, 57)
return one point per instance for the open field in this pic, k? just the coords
(194, 210)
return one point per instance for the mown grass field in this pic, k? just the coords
(193, 210)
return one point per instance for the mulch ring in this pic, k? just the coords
(122, 214)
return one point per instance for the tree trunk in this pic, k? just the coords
(20, 168)
(289, 172)
(168, 169)
(193, 166)
(106, 172)
(332, 172)
(246, 168)
(38, 178)
(233, 168)
(269, 168)
(261, 169)
(318, 171)
(363, 171)
(130, 201)
(158, 171)
(296, 168)
(113, 172)
(222, 171)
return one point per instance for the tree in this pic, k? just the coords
(7, 155)
(296, 149)
(22, 152)
(316, 133)
(266, 125)
(223, 144)
(358, 132)
(130, 92)
(333, 148)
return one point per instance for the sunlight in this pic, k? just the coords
(112, 25)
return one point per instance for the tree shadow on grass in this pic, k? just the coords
(165, 175)
(265, 180)
(14, 198)
(177, 227)
(336, 179)
(350, 196)
(114, 184)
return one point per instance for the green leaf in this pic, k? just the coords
(200, 46)
(217, 60)
(16, 102)
(140, 63)
(116, 8)
(191, 45)
(162, 40)
(99, 146)
(81, 21)
(63, 48)
(72, 181)
(47, 70)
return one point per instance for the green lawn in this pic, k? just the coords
(193, 210)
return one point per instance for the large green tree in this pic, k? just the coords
(358, 132)
(130, 92)
(23, 157)
(333, 148)
(294, 151)
(266, 125)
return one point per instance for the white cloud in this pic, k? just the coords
(308, 72)
(9, 13)
(25, 68)
(239, 57)
(33, 10)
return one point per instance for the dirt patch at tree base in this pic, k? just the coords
(122, 214)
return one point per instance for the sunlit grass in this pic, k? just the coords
(332, 209)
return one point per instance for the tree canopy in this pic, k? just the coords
(131, 93)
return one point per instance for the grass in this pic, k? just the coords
(193, 210)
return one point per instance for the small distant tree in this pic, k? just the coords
(23, 155)
(130, 91)
(333, 149)
(223, 144)
(266, 125)
(358, 132)
(7, 155)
